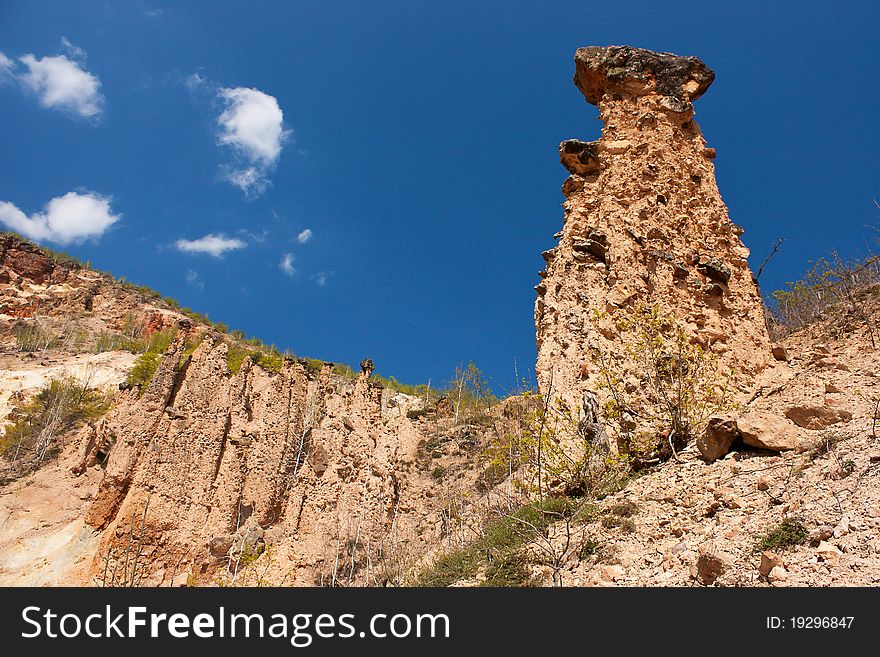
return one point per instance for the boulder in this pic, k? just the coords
(768, 431)
(777, 574)
(817, 417)
(634, 71)
(820, 534)
(711, 566)
(779, 352)
(828, 553)
(31, 263)
(769, 561)
(219, 546)
(612, 573)
(717, 438)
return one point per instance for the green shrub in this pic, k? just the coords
(344, 371)
(510, 569)
(589, 548)
(492, 475)
(625, 509)
(143, 370)
(683, 384)
(500, 548)
(31, 438)
(313, 366)
(787, 534)
(159, 342)
(271, 360)
(33, 336)
(236, 355)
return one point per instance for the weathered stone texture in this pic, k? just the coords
(644, 223)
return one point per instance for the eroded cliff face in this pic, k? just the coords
(206, 476)
(644, 224)
(219, 467)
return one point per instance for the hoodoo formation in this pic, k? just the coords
(644, 224)
(144, 445)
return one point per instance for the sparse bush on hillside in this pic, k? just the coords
(235, 356)
(499, 553)
(469, 392)
(828, 283)
(32, 437)
(419, 390)
(786, 534)
(33, 336)
(552, 451)
(268, 358)
(272, 360)
(680, 386)
(313, 365)
(143, 370)
(344, 371)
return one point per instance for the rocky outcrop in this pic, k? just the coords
(769, 431)
(817, 417)
(644, 224)
(35, 282)
(216, 457)
(718, 437)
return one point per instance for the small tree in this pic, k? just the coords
(554, 449)
(681, 385)
(469, 391)
(33, 436)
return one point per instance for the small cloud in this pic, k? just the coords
(215, 245)
(252, 123)
(74, 51)
(304, 236)
(5, 68)
(286, 264)
(61, 83)
(192, 278)
(321, 278)
(69, 219)
(252, 181)
(153, 13)
(260, 239)
(195, 81)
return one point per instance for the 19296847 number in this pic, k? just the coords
(810, 622)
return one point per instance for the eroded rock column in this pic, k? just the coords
(644, 223)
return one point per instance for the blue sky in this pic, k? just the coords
(415, 142)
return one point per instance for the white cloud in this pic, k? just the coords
(304, 236)
(215, 245)
(72, 218)
(194, 81)
(192, 278)
(5, 68)
(252, 181)
(74, 51)
(321, 278)
(261, 238)
(253, 125)
(286, 264)
(60, 83)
